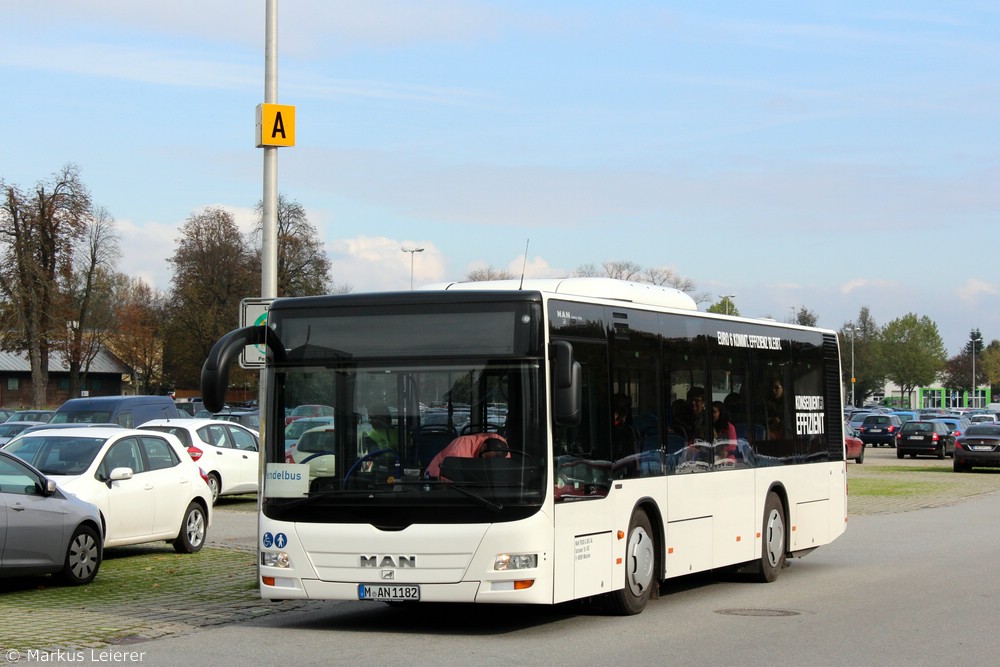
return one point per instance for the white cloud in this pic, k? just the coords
(974, 289)
(377, 263)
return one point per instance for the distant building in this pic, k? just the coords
(934, 396)
(107, 376)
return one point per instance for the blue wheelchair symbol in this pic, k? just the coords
(280, 540)
(269, 539)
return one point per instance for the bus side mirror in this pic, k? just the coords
(567, 385)
(215, 370)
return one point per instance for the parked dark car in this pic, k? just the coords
(925, 437)
(957, 425)
(878, 430)
(978, 447)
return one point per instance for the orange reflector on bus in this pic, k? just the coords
(738, 538)
(523, 584)
(621, 535)
(268, 581)
(670, 550)
(618, 561)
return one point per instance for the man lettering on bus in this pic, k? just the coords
(475, 445)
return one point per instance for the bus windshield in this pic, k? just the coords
(452, 434)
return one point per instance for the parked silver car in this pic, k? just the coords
(43, 530)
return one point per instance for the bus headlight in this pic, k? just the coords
(515, 562)
(274, 559)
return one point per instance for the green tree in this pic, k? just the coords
(991, 367)
(913, 352)
(724, 306)
(37, 235)
(806, 317)
(861, 339)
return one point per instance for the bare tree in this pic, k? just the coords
(214, 270)
(667, 276)
(489, 273)
(87, 292)
(622, 270)
(37, 235)
(303, 267)
(138, 337)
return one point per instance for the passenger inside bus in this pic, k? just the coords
(382, 435)
(476, 445)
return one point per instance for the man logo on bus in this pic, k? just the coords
(388, 561)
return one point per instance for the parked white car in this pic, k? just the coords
(226, 451)
(145, 485)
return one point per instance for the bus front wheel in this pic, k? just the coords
(640, 569)
(772, 557)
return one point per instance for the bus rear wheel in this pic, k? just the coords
(640, 569)
(772, 557)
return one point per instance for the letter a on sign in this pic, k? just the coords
(275, 125)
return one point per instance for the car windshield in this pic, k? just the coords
(82, 417)
(178, 431)
(987, 428)
(57, 454)
(917, 427)
(877, 420)
(300, 426)
(12, 429)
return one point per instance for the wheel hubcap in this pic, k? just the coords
(774, 544)
(640, 562)
(83, 556)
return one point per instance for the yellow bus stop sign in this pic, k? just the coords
(275, 125)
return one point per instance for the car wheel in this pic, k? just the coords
(83, 557)
(941, 452)
(861, 459)
(899, 454)
(215, 486)
(191, 537)
(772, 557)
(640, 569)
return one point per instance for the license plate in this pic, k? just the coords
(876, 430)
(916, 437)
(982, 448)
(383, 593)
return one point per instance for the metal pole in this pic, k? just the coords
(269, 246)
(972, 397)
(729, 299)
(412, 252)
(269, 240)
(853, 331)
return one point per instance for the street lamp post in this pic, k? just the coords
(853, 330)
(972, 398)
(412, 252)
(729, 299)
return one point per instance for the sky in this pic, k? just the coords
(831, 156)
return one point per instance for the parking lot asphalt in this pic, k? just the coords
(147, 591)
